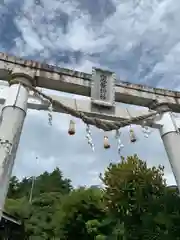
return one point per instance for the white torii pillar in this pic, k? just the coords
(11, 123)
(171, 139)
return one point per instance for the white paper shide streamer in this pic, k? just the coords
(50, 109)
(145, 129)
(89, 137)
(120, 144)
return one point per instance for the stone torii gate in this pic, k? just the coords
(104, 91)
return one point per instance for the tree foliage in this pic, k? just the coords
(83, 210)
(134, 203)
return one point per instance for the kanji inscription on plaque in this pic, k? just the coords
(103, 87)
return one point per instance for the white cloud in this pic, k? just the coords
(134, 32)
(29, 36)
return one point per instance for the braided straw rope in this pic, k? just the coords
(99, 123)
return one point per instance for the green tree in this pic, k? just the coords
(46, 182)
(52, 182)
(47, 193)
(130, 189)
(162, 220)
(38, 217)
(80, 214)
(19, 208)
(42, 222)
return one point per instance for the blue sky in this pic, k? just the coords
(139, 40)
